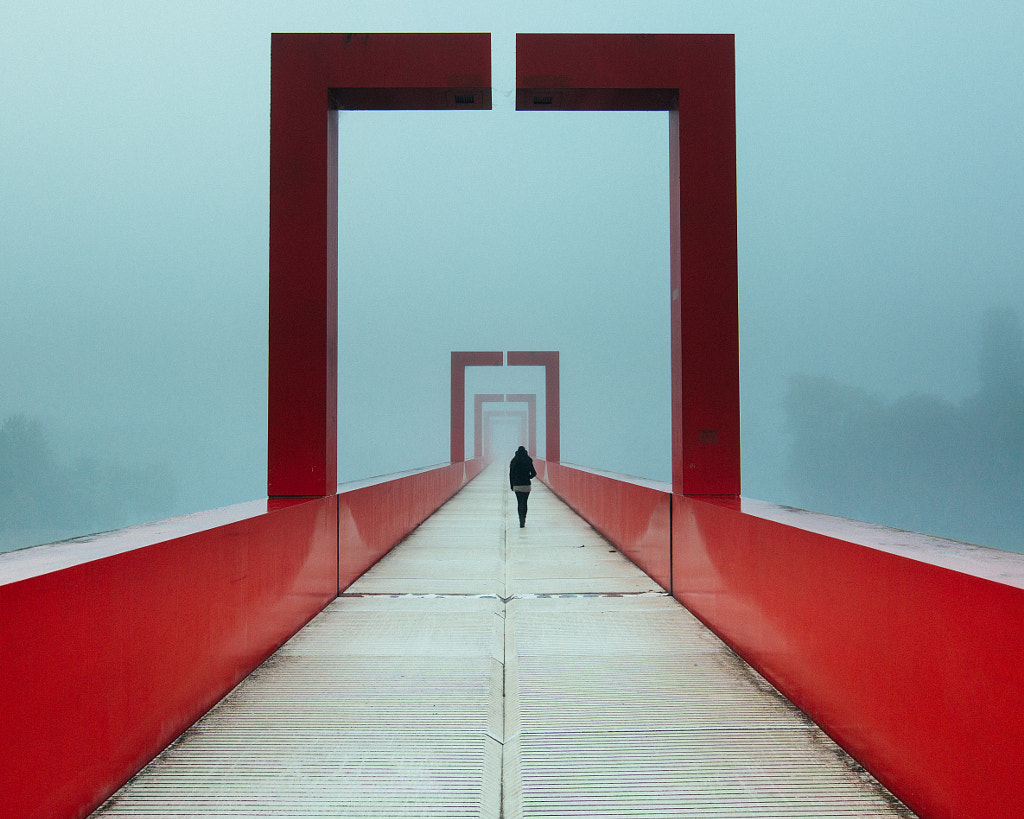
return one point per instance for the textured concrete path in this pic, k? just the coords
(483, 670)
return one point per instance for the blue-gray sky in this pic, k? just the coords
(881, 214)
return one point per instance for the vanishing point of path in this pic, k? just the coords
(483, 670)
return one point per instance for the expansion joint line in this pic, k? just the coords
(504, 647)
(517, 596)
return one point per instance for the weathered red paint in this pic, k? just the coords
(312, 75)
(634, 516)
(460, 360)
(478, 416)
(106, 661)
(548, 359)
(530, 399)
(692, 76)
(913, 667)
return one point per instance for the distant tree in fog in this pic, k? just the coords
(919, 463)
(43, 499)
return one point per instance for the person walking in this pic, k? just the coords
(520, 470)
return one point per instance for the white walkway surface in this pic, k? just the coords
(483, 670)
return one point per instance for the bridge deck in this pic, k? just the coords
(481, 669)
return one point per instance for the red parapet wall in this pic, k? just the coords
(105, 662)
(914, 668)
(473, 468)
(634, 517)
(112, 647)
(373, 519)
(542, 469)
(907, 650)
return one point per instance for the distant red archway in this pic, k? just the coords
(493, 417)
(530, 399)
(529, 436)
(478, 408)
(552, 399)
(457, 429)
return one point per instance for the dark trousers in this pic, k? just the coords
(521, 499)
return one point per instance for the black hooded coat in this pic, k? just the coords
(520, 470)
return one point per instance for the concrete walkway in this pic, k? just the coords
(483, 670)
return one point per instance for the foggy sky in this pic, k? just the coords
(881, 214)
(920, 463)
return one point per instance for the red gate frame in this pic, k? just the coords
(479, 358)
(311, 77)
(479, 399)
(692, 76)
(548, 359)
(460, 360)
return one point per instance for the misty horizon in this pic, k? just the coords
(880, 218)
(919, 462)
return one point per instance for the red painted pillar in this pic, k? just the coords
(478, 408)
(692, 76)
(530, 399)
(461, 360)
(552, 401)
(312, 75)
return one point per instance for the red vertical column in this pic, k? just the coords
(705, 313)
(303, 310)
(312, 75)
(552, 400)
(692, 76)
(461, 360)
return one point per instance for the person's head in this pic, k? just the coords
(522, 451)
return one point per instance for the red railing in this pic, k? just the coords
(634, 515)
(112, 646)
(906, 649)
